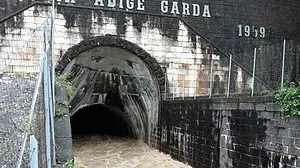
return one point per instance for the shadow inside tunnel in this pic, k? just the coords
(100, 120)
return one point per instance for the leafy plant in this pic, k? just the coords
(63, 81)
(289, 100)
(70, 164)
(61, 108)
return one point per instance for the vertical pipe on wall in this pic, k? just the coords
(47, 113)
(283, 63)
(53, 81)
(211, 77)
(183, 83)
(46, 100)
(173, 86)
(253, 73)
(195, 94)
(229, 76)
(51, 110)
(166, 76)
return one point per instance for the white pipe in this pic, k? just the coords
(173, 87)
(47, 112)
(53, 82)
(211, 77)
(283, 62)
(229, 76)
(166, 76)
(253, 74)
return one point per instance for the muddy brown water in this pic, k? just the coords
(109, 152)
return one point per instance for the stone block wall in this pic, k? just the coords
(192, 64)
(194, 67)
(190, 132)
(206, 132)
(230, 133)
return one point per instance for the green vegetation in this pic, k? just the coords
(63, 81)
(61, 107)
(289, 100)
(70, 164)
(26, 126)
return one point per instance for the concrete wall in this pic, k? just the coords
(188, 57)
(22, 46)
(225, 28)
(246, 132)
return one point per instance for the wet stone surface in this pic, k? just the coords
(111, 152)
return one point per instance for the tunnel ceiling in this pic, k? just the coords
(117, 78)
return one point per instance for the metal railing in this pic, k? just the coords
(235, 81)
(43, 92)
(214, 74)
(190, 27)
(27, 97)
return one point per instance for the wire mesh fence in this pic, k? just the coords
(17, 92)
(213, 73)
(22, 106)
(194, 68)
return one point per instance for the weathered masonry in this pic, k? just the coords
(142, 67)
(231, 132)
(118, 90)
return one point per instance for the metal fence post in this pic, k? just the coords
(53, 81)
(51, 111)
(46, 99)
(47, 112)
(229, 76)
(34, 160)
(195, 94)
(166, 76)
(211, 77)
(283, 63)
(183, 87)
(173, 86)
(253, 74)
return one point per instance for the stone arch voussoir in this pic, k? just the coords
(114, 41)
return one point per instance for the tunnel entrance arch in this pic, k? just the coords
(115, 76)
(114, 41)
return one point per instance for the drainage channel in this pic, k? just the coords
(104, 138)
(119, 152)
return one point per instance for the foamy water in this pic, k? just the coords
(107, 152)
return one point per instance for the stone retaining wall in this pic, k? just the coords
(231, 133)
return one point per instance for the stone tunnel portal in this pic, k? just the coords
(118, 79)
(117, 88)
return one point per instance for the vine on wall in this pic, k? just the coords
(61, 81)
(289, 100)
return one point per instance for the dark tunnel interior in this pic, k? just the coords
(100, 120)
